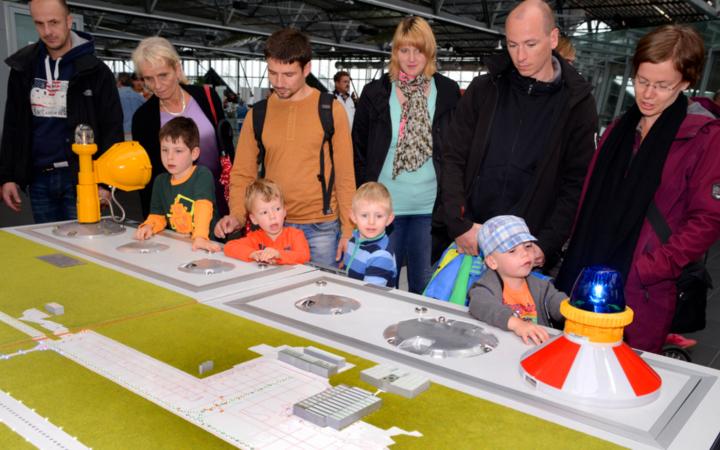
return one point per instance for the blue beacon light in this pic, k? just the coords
(599, 289)
(589, 363)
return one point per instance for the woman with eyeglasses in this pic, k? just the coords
(662, 155)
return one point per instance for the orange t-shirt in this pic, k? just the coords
(521, 302)
(291, 244)
(292, 136)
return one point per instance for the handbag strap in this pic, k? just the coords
(657, 221)
(660, 226)
(206, 87)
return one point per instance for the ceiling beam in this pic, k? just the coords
(96, 5)
(150, 5)
(486, 13)
(702, 7)
(428, 13)
(176, 43)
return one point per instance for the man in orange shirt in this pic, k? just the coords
(273, 243)
(293, 137)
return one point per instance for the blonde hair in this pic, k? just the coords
(157, 51)
(264, 189)
(566, 49)
(415, 32)
(373, 191)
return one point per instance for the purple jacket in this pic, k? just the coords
(708, 104)
(689, 199)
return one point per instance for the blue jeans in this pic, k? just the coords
(323, 238)
(411, 243)
(53, 196)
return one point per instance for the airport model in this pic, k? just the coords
(110, 343)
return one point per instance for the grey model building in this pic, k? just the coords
(396, 380)
(339, 361)
(307, 363)
(206, 366)
(337, 407)
(56, 309)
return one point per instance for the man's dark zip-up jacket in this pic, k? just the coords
(549, 204)
(92, 99)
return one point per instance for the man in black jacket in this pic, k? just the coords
(520, 143)
(54, 85)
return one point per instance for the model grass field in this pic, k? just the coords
(100, 413)
(12, 340)
(90, 294)
(182, 333)
(8, 439)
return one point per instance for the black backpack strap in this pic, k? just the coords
(258, 114)
(326, 119)
(657, 221)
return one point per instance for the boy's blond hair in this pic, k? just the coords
(264, 189)
(373, 191)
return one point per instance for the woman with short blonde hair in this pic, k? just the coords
(414, 32)
(399, 124)
(159, 66)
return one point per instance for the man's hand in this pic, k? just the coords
(11, 196)
(528, 331)
(467, 242)
(226, 225)
(538, 256)
(200, 243)
(144, 232)
(341, 249)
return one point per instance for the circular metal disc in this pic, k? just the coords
(327, 304)
(206, 266)
(89, 230)
(440, 338)
(143, 247)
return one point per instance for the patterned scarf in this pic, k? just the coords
(414, 145)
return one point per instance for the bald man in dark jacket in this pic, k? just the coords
(520, 143)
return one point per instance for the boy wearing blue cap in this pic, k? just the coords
(506, 296)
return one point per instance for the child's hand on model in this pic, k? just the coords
(268, 255)
(205, 244)
(143, 232)
(528, 331)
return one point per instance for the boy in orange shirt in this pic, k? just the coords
(273, 243)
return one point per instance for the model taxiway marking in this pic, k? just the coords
(23, 328)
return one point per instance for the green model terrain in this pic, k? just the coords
(182, 333)
(8, 439)
(12, 340)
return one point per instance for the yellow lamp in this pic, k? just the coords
(125, 165)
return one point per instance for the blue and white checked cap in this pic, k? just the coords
(502, 233)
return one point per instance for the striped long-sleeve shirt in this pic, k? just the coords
(370, 260)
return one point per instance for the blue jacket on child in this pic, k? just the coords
(370, 260)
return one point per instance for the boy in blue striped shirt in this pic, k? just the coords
(367, 257)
